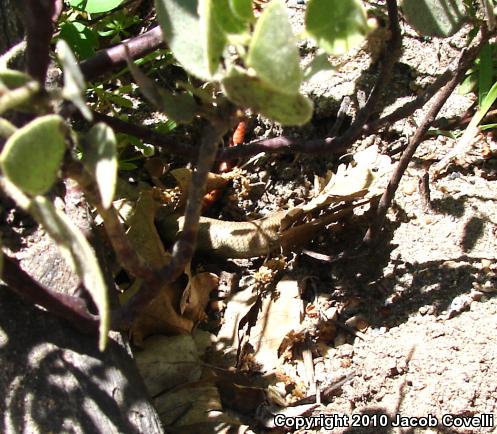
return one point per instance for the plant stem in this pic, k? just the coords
(65, 306)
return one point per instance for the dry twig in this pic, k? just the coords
(465, 61)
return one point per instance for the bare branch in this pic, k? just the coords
(465, 61)
(64, 306)
(126, 254)
(167, 143)
(110, 58)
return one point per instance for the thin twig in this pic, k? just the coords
(168, 143)
(410, 107)
(465, 61)
(390, 55)
(126, 254)
(424, 191)
(105, 60)
(65, 306)
(331, 144)
(342, 111)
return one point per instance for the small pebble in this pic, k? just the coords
(410, 187)
(485, 265)
(488, 286)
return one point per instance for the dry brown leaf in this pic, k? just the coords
(168, 361)
(198, 289)
(143, 234)
(280, 314)
(238, 307)
(183, 177)
(188, 405)
(161, 316)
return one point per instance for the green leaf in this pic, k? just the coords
(319, 63)
(336, 25)
(488, 127)
(13, 79)
(248, 91)
(226, 19)
(78, 251)
(114, 98)
(486, 103)
(100, 158)
(242, 9)
(179, 107)
(191, 31)
(127, 166)
(486, 72)
(440, 18)
(82, 39)
(469, 83)
(94, 6)
(32, 156)
(74, 83)
(273, 52)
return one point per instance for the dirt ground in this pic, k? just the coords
(431, 347)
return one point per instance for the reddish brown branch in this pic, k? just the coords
(167, 143)
(390, 55)
(39, 17)
(64, 306)
(110, 58)
(151, 40)
(464, 63)
(332, 144)
(126, 254)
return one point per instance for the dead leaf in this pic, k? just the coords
(238, 307)
(244, 399)
(188, 405)
(161, 316)
(183, 177)
(198, 289)
(354, 181)
(143, 234)
(280, 314)
(168, 361)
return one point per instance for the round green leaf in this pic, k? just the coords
(242, 9)
(440, 18)
(336, 25)
(248, 91)
(82, 39)
(226, 19)
(273, 52)
(32, 156)
(100, 157)
(191, 31)
(13, 79)
(95, 6)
